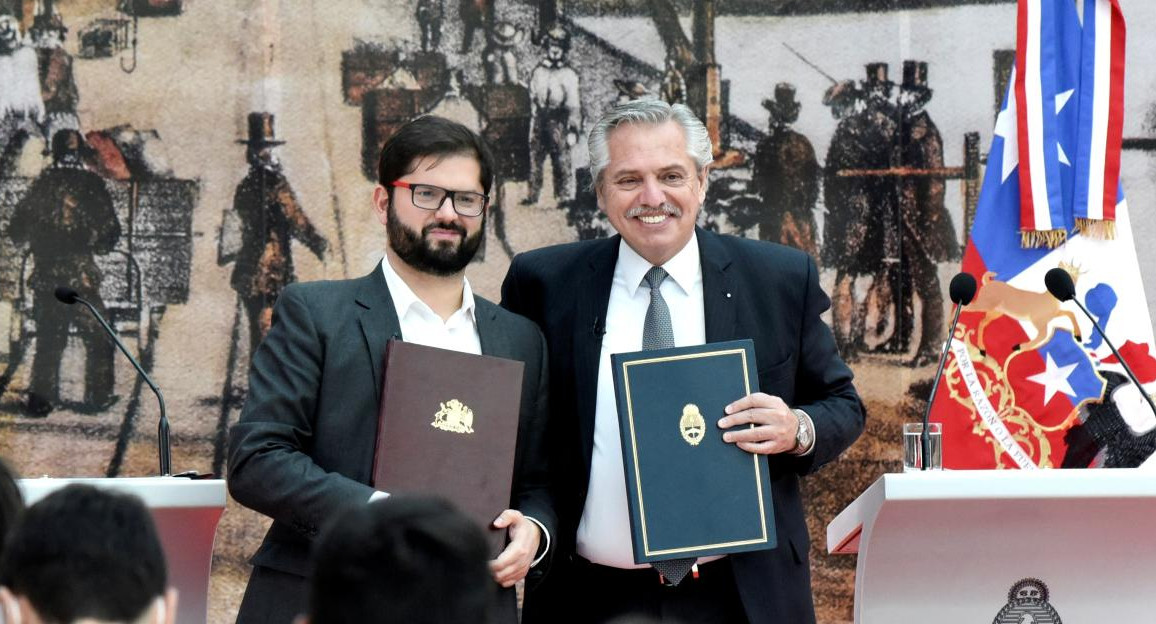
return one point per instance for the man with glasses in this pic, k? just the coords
(303, 449)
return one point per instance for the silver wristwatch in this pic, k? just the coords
(805, 436)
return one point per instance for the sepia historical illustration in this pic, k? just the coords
(179, 163)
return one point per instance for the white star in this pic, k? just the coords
(1054, 379)
(1005, 127)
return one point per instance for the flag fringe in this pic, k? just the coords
(1050, 239)
(1101, 229)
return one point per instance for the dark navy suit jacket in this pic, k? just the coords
(751, 289)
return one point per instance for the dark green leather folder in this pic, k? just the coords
(690, 494)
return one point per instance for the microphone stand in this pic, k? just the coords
(925, 436)
(163, 422)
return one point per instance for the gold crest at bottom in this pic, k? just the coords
(455, 417)
(691, 425)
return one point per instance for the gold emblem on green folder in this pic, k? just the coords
(455, 417)
(691, 425)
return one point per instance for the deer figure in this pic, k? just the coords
(996, 298)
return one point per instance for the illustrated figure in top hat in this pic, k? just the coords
(270, 217)
(786, 176)
(57, 84)
(66, 219)
(555, 118)
(501, 63)
(429, 21)
(857, 205)
(928, 235)
(885, 300)
(21, 107)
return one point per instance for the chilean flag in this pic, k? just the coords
(1027, 384)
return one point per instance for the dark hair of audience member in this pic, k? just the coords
(431, 136)
(409, 558)
(83, 552)
(11, 502)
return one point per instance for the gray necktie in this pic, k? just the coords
(657, 333)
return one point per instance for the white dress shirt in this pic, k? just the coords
(421, 325)
(604, 530)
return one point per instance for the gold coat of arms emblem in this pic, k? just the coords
(692, 426)
(455, 417)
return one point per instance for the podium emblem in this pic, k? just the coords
(1027, 601)
(692, 426)
(455, 417)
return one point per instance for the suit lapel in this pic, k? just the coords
(593, 296)
(719, 297)
(378, 320)
(494, 342)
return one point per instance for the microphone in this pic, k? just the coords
(1059, 283)
(962, 291)
(64, 294)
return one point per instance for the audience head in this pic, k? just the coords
(85, 554)
(408, 558)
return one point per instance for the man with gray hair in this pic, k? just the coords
(649, 163)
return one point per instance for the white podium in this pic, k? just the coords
(186, 514)
(949, 546)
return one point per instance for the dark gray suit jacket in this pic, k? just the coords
(303, 448)
(751, 289)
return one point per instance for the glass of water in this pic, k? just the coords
(913, 448)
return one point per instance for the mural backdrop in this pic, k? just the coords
(179, 162)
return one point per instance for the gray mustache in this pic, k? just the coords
(666, 207)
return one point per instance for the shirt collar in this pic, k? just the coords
(684, 268)
(404, 298)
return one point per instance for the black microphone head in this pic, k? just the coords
(1060, 284)
(64, 294)
(962, 288)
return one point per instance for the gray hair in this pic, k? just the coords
(651, 111)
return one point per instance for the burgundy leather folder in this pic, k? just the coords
(447, 425)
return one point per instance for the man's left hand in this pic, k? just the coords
(775, 424)
(512, 565)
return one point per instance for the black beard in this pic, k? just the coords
(442, 258)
